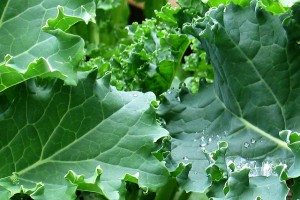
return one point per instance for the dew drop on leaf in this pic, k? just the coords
(203, 144)
(246, 144)
(253, 141)
(253, 169)
(135, 95)
(202, 138)
(185, 158)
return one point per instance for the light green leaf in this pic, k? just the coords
(216, 3)
(33, 42)
(253, 98)
(275, 6)
(92, 134)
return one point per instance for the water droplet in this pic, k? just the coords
(283, 165)
(252, 164)
(169, 91)
(246, 144)
(178, 98)
(202, 138)
(203, 144)
(209, 140)
(195, 140)
(185, 158)
(253, 169)
(266, 168)
(135, 95)
(239, 162)
(253, 141)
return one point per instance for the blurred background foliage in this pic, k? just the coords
(142, 45)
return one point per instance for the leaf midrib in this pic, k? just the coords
(46, 160)
(256, 129)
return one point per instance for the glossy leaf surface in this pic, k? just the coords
(253, 98)
(91, 134)
(33, 40)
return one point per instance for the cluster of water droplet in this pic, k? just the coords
(205, 140)
(265, 168)
(248, 144)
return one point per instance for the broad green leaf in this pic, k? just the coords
(92, 134)
(274, 6)
(33, 41)
(255, 95)
(241, 187)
